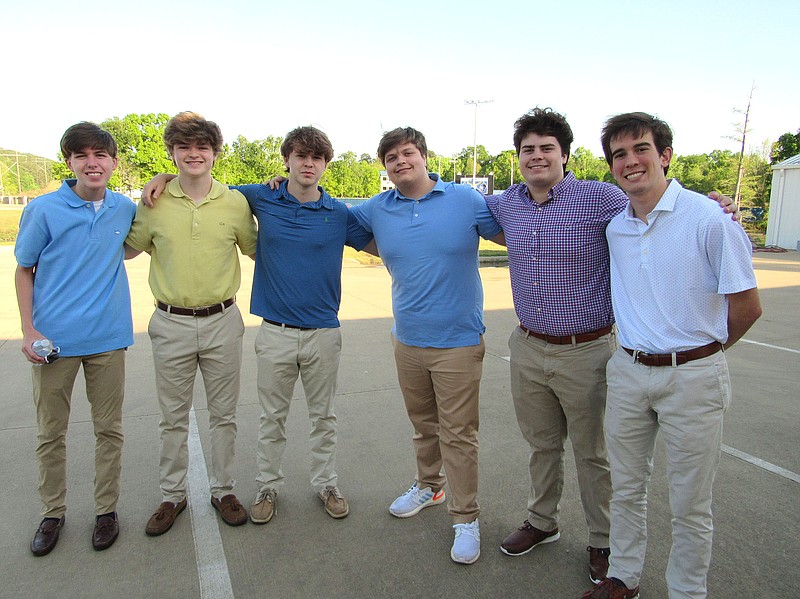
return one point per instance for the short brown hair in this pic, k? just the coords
(635, 124)
(544, 121)
(87, 135)
(308, 138)
(187, 127)
(402, 135)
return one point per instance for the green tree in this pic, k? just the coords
(250, 161)
(788, 145)
(441, 165)
(350, 177)
(505, 168)
(141, 152)
(465, 159)
(717, 172)
(587, 166)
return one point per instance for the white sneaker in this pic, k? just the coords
(467, 544)
(415, 499)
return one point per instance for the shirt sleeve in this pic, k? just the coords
(730, 254)
(487, 225)
(246, 232)
(357, 235)
(493, 202)
(363, 214)
(139, 237)
(614, 201)
(32, 238)
(250, 192)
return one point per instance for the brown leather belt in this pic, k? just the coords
(289, 326)
(569, 339)
(676, 358)
(204, 311)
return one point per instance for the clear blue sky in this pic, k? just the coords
(358, 68)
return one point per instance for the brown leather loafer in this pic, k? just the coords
(525, 538)
(163, 519)
(46, 536)
(232, 512)
(106, 531)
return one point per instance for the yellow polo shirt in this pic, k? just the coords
(192, 247)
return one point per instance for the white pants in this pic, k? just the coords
(686, 403)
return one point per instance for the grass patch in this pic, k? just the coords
(9, 224)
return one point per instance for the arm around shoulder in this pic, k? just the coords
(154, 187)
(744, 308)
(130, 252)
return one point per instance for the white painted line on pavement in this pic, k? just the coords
(212, 568)
(761, 463)
(794, 351)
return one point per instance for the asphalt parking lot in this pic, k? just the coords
(304, 553)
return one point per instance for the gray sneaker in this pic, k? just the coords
(264, 507)
(335, 505)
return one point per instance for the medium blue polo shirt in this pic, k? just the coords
(430, 247)
(298, 274)
(81, 298)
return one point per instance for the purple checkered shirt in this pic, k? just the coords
(558, 255)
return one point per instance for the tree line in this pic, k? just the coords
(142, 154)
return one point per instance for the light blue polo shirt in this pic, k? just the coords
(81, 298)
(430, 247)
(298, 274)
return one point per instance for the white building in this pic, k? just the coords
(783, 227)
(386, 184)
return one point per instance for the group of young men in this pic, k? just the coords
(676, 269)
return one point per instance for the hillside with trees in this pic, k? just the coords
(24, 174)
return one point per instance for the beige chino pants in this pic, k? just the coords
(560, 390)
(283, 354)
(181, 345)
(441, 391)
(52, 396)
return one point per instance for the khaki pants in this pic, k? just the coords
(283, 354)
(52, 395)
(441, 392)
(560, 390)
(181, 344)
(686, 405)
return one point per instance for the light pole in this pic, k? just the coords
(475, 138)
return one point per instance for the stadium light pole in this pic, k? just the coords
(475, 138)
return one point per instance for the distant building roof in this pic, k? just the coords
(793, 161)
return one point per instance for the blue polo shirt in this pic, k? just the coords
(298, 275)
(430, 247)
(81, 298)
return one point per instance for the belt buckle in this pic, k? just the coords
(637, 354)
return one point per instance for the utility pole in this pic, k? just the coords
(737, 194)
(13, 169)
(475, 138)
